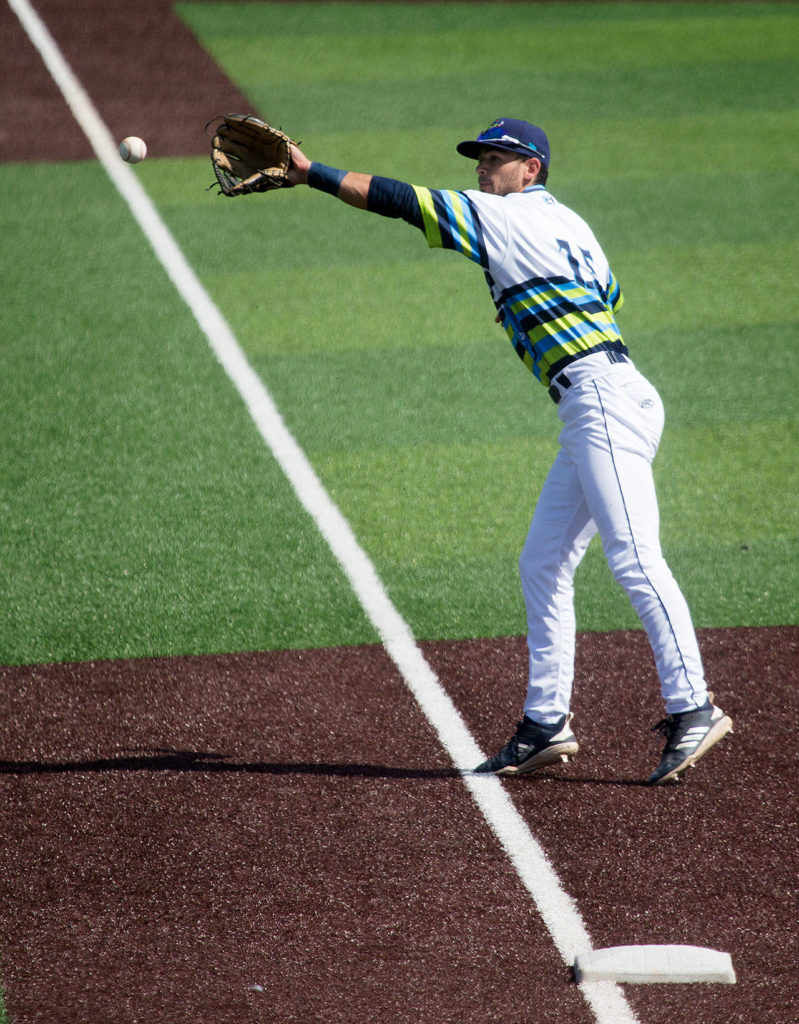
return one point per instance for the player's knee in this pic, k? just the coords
(639, 575)
(536, 563)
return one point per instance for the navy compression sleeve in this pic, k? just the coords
(393, 198)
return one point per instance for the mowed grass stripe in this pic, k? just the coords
(447, 39)
(616, 60)
(658, 281)
(707, 203)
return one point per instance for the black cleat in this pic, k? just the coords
(689, 736)
(533, 746)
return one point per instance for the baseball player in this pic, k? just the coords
(557, 299)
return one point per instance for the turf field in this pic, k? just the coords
(144, 518)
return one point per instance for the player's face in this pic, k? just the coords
(500, 172)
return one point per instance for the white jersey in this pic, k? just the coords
(549, 278)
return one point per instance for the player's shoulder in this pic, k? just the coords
(545, 204)
(516, 211)
(489, 208)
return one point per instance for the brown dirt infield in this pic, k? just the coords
(178, 831)
(278, 837)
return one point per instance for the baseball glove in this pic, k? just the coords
(249, 155)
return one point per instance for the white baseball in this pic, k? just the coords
(132, 149)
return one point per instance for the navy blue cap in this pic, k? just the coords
(508, 133)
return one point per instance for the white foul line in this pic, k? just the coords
(555, 906)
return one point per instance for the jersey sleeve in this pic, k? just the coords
(451, 220)
(448, 219)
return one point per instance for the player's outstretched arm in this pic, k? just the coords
(386, 196)
(350, 186)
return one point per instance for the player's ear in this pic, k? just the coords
(533, 169)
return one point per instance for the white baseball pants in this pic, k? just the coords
(601, 481)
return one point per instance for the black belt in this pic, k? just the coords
(562, 382)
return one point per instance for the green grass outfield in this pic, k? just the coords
(142, 514)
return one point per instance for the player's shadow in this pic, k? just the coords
(210, 762)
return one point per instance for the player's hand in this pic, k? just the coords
(297, 173)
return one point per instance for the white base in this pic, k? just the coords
(639, 965)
